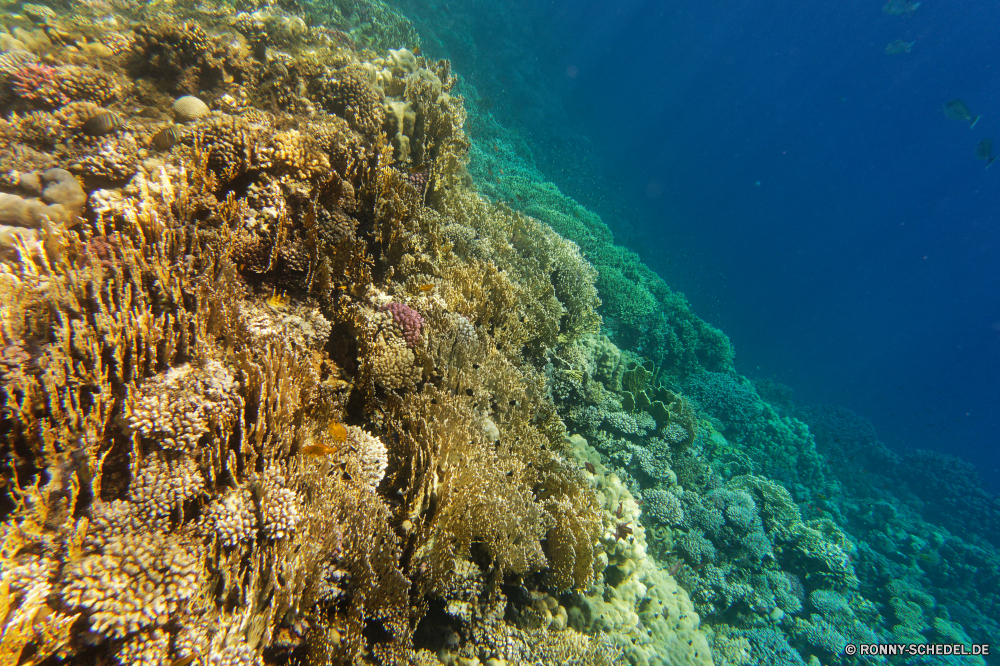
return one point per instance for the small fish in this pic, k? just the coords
(984, 151)
(957, 110)
(590, 467)
(821, 496)
(897, 7)
(416, 50)
(418, 168)
(898, 46)
(166, 138)
(338, 431)
(277, 301)
(621, 509)
(101, 123)
(425, 287)
(317, 450)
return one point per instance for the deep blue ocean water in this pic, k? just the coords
(801, 186)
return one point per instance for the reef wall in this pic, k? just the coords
(274, 374)
(284, 381)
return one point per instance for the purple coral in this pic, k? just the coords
(407, 319)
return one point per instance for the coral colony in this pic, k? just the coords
(281, 386)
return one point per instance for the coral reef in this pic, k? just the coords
(283, 381)
(276, 379)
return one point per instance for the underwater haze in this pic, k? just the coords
(806, 191)
(797, 182)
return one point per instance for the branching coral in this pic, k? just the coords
(279, 396)
(180, 406)
(135, 579)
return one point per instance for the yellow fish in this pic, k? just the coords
(338, 431)
(317, 450)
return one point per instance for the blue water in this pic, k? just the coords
(864, 268)
(803, 188)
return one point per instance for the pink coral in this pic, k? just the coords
(37, 82)
(407, 319)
